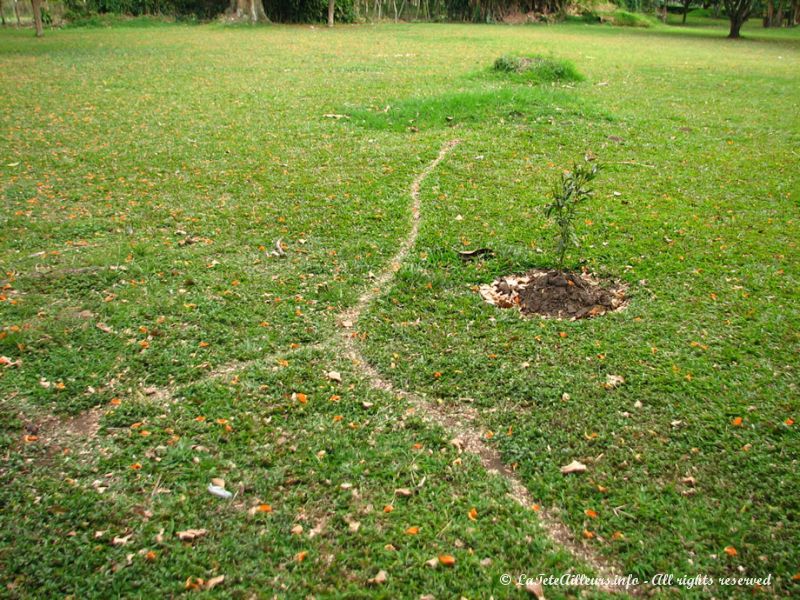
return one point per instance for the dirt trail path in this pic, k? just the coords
(458, 423)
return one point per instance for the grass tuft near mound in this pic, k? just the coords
(536, 69)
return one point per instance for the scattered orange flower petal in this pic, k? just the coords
(473, 514)
(300, 556)
(388, 508)
(150, 556)
(136, 466)
(447, 560)
(737, 422)
(265, 508)
(590, 513)
(412, 530)
(731, 551)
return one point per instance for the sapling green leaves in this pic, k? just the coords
(568, 194)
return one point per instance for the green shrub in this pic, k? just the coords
(536, 69)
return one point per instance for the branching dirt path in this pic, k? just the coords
(458, 423)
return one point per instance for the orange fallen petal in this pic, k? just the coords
(447, 560)
(731, 551)
(412, 530)
(473, 514)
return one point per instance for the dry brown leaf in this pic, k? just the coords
(535, 589)
(613, 381)
(403, 492)
(334, 376)
(121, 540)
(191, 534)
(214, 582)
(380, 578)
(573, 467)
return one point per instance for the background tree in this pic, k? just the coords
(331, 8)
(249, 10)
(37, 17)
(686, 5)
(738, 12)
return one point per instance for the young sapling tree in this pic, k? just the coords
(568, 194)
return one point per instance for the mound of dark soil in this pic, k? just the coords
(555, 294)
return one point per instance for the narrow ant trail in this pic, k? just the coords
(458, 423)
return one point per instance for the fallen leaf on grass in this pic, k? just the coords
(191, 534)
(613, 381)
(334, 376)
(447, 560)
(573, 467)
(403, 492)
(260, 508)
(380, 578)
(121, 540)
(535, 589)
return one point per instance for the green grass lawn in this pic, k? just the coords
(147, 173)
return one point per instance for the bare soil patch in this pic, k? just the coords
(553, 293)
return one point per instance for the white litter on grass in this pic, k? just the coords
(219, 492)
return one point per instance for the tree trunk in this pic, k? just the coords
(257, 12)
(331, 9)
(37, 17)
(2, 14)
(736, 26)
(16, 12)
(686, 4)
(251, 11)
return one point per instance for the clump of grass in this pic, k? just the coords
(536, 68)
(623, 18)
